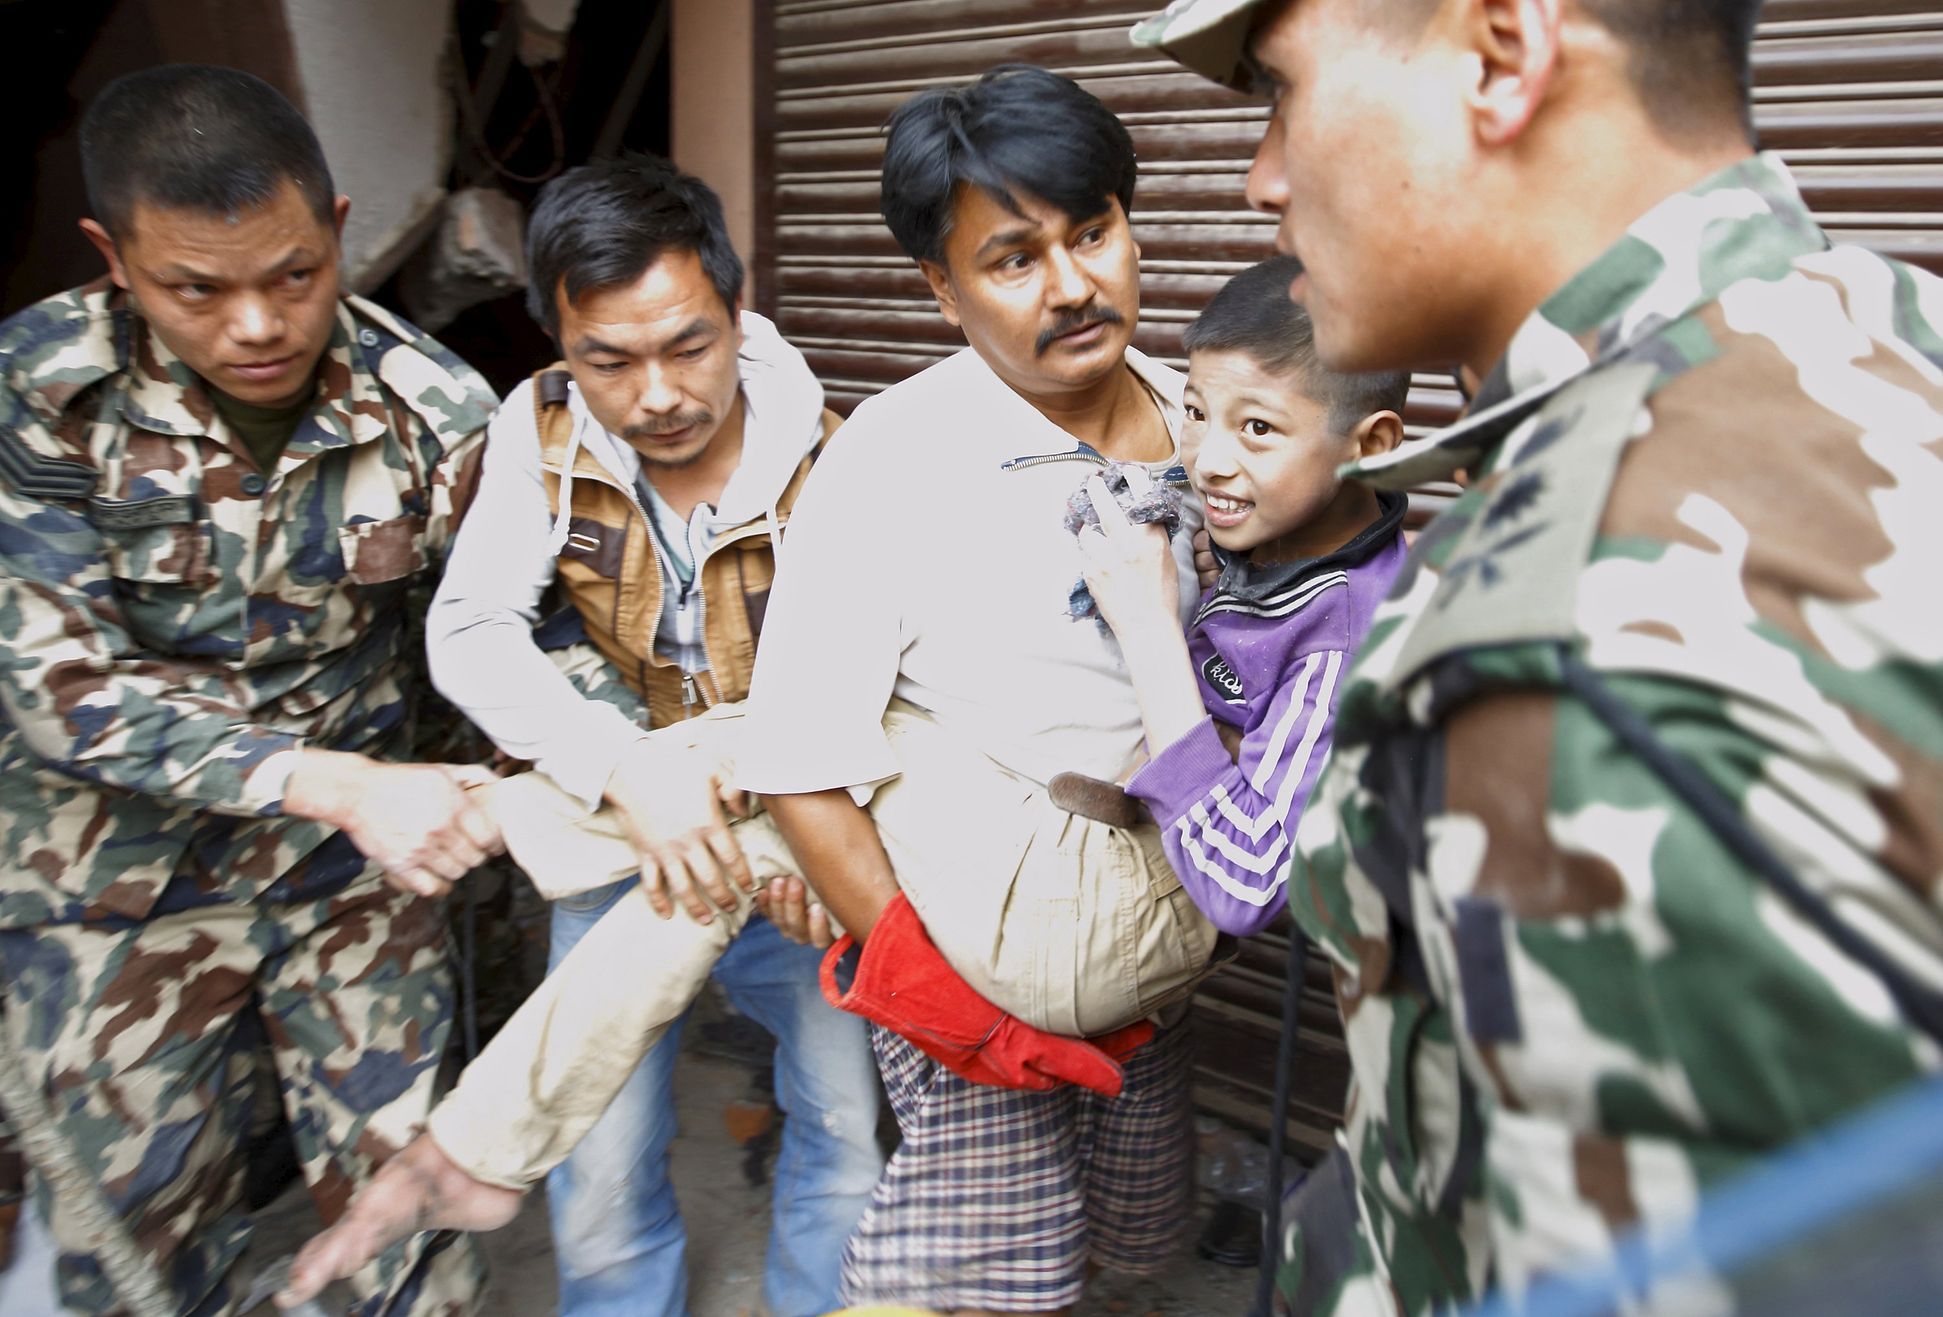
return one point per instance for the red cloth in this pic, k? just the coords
(903, 983)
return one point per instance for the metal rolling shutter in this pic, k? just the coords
(1851, 93)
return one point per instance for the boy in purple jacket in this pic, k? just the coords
(1239, 711)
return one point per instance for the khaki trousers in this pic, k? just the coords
(1071, 925)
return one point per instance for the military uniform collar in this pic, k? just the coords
(370, 352)
(1744, 222)
(89, 346)
(162, 393)
(165, 396)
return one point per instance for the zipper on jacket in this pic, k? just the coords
(1080, 454)
(1175, 475)
(689, 681)
(747, 531)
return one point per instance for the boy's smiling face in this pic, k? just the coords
(1264, 456)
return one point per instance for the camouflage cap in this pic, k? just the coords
(1208, 36)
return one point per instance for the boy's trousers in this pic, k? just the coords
(1072, 925)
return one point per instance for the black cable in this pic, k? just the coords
(1278, 1129)
(1922, 1005)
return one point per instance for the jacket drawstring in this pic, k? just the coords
(773, 519)
(564, 517)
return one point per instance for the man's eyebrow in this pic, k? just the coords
(297, 256)
(184, 274)
(693, 329)
(189, 274)
(587, 343)
(1004, 238)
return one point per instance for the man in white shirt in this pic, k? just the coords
(649, 478)
(952, 488)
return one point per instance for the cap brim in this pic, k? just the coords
(1209, 37)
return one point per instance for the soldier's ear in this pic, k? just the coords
(1515, 44)
(1377, 434)
(104, 243)
(340, 211)
(940, 281)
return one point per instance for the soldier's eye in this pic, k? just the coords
(299, 278)
(195, 292)
(1193, 413)
(1260, 82)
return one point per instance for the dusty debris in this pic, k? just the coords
(476, 254)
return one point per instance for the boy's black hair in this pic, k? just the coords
(1018, 129)
(1252, 313)
(196, 137)
(605, 223)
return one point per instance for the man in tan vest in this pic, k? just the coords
(648, 477)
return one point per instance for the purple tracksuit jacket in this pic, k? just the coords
(1270, 645)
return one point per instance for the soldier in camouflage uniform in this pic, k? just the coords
(219, 483)
(1630, 859)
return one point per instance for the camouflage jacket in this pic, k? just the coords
(171, 617)
(1708, 502)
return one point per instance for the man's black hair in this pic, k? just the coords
(1690, 60)
(197, 137)
(603, 224)
(1252, 314)
(1018, 129)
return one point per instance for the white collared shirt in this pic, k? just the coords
(917, 564)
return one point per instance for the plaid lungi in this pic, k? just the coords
(998, 1199)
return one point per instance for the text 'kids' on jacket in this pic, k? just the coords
(562, 499)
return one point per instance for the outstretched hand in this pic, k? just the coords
(1129, 569)
(416, 821)
(675, 818)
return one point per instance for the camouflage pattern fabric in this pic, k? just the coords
(136, 1030)
(170, 618)
(596, 678)
(1709, 473)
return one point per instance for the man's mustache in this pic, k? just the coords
(1075, 320)
(679, 421)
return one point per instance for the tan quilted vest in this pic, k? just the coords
(609, 570)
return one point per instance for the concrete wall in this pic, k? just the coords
(369, 75)
(712, 128)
